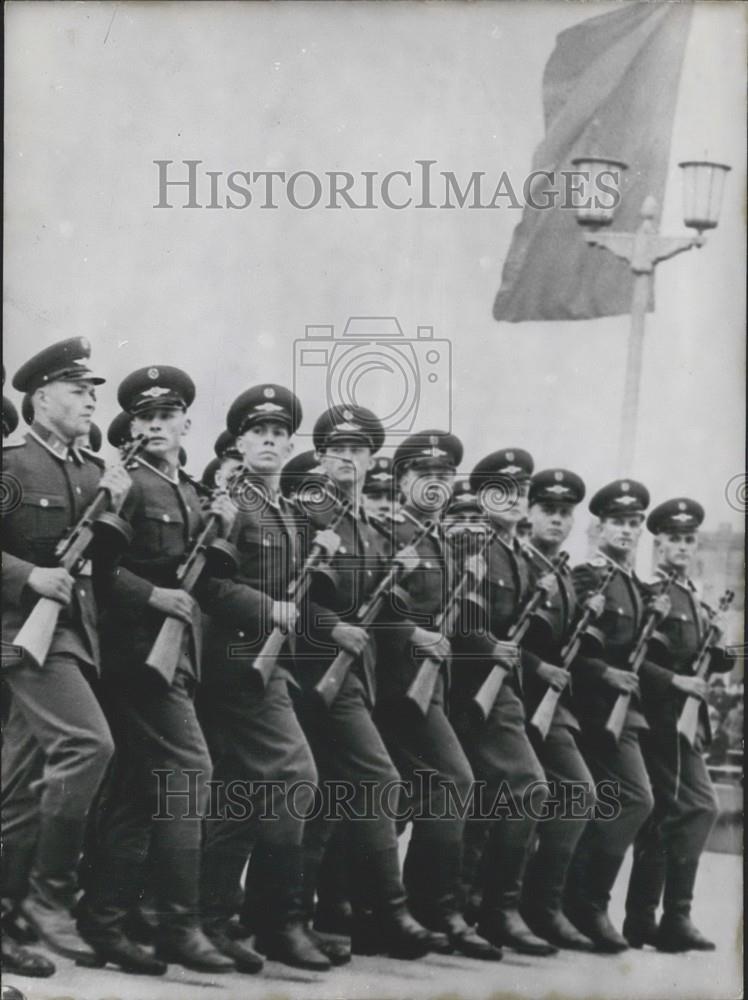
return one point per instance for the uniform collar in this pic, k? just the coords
(54, 444)
(624, 570)
(160, 468)
(686, 583)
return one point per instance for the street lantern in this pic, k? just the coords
(600, 189)
(703, 183)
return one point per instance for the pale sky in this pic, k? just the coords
(96, 92)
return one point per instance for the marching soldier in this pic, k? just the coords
(553, 497)
(162, 758)
(379, 489)
(425, 466)
(57, 742)
(669, 845)
(499, 751)
(252, 731)
(344, 739)
(598, 681)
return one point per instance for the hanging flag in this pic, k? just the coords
(609, 89)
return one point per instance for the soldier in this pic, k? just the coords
(379, 491)
(10, 417)
(162, 758)
(598, 681)
(56, 733)
(425, 466)
(553, 497)
(252, 731)
(346, 744)
(499, 751)
(669, 845)
(118, 433)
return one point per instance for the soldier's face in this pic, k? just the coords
(346, 463)
(67, 407)
(164, 430)
(677, 549)
(378, 504)
(265, 446)
(428, 490)
(506, 505)
(551, 522)
(621, 533)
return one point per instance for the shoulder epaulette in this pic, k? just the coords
(597, 562)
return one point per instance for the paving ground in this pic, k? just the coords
(635, 975)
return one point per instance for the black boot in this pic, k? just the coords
(220, 898)
(543, 896)
(20, 961)
(475, 840)
(591, 878)
(279, 885)
(245, 958)
(646, 883)
(500, 921)
(333, 913)
(53, 886)
(676, 932)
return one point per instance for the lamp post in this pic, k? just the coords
(644, 249)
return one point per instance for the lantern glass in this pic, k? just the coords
(596, 189)
(703, 184)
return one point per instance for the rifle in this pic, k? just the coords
(35, 636)
(486, 695)
(543, 715)
(421, 689)
(263, 665)
(209, 549)
(617, 717)
(689, 717)
(329, 685)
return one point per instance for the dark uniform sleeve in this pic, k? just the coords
(656, 680)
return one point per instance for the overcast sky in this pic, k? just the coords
(96, 92)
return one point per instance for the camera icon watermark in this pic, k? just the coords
(405, 381)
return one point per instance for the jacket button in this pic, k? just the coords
(165, 517)
(82, 592)
(78, 490)
(240, 634)
(44, 502)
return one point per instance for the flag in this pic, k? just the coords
(609, 89)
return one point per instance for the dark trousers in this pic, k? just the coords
(352, 758)
(252, 739)
(570, 805)
(513, 792)
(56, 748)
(153, 800)
(429, 757)
(685, 809)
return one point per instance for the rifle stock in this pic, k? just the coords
(35, 636)
(166, 650)
(328, 687)
(489, 691)
(264, 663)
(421, 689)
(542, 718)
(617, 717)
(688, 721)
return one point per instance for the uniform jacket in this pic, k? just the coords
(620, 623)
(546, 637)
(48, 487)
(684, 629)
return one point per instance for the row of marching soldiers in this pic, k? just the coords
(293, 639)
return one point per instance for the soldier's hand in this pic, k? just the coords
(328, 540)
(476, 566)
(351, 638)
(695, 686)
(284, 615)
(548, 583)
(173, 603)
(430, 643)
(53, 582)
(223, 507)
(660, 605)
(507, 652)
(557, 677)
(621, 680)
(596, 604)
(117, 481)
(408, 558)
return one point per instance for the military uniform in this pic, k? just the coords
(668, 847)
(499, 751)
(57, 743)
(154, 723)
(605, 840)
(558, 752)
(254, 734)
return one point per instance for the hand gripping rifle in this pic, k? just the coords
(210, 550)
(421, 689)
(543, 715)
(264, 663)
(689, 716)
(35, 636)
(488, 692)
(329, 685)
(617, 717)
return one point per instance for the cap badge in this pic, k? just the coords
(347, 415)
(267, 407)
(681, 505)
(509, 456)
(80, 361)
(626, 500)
(85, 344)
(625, 486)
(348, 426)
(512, 469)
(433, 440)
(153, 373)
(682, 518)
(558, 476)
(268, 392)
(156, 390)
(558, 489)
